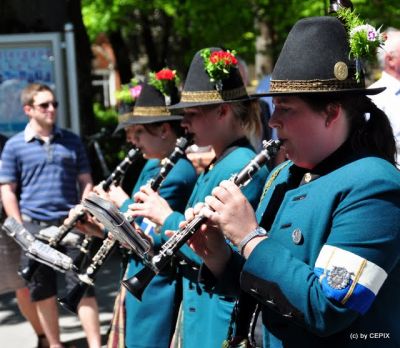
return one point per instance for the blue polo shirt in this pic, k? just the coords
(46, 172)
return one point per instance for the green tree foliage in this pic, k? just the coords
(169, 32)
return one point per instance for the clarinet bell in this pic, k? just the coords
(138, 283)
(29, 270)
(72, 299)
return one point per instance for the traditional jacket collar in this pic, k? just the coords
(343, 155)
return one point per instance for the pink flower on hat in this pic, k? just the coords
(135, 91)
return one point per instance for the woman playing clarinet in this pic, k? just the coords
(217, 111)
(322, 249)
(154, 131)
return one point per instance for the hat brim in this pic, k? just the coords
(146, 120)
(120, 126)
(366, 91)
(152, 119)
(184, 105)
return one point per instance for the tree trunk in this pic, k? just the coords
(121, 51)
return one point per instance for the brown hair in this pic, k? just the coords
(175, 126)
(370, 129)
(248, 113)
(30, 91)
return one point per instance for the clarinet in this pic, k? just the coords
(54, 241)
(138, 283)
(87, 279)
(33, 264)
(37, 250)
(119, 172)
(114, 178)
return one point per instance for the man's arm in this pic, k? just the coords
(85, 184)
(10, 201)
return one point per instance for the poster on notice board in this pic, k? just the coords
(26, 59)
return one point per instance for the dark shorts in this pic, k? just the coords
(44, 283)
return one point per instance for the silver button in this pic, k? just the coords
(297, 236)
(307, 177)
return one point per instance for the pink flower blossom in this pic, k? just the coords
(135, 91)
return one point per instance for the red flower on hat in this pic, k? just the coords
(165, 74)
(226, 58)
(165, 80)
(218, 63)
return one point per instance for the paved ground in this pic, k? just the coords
(16, 332)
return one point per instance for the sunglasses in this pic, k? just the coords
(47, 104)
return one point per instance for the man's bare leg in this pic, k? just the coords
(88, 313)
(48, 315)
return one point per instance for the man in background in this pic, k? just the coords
(44, 173)
(389, 99)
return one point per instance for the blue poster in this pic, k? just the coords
(18, 67)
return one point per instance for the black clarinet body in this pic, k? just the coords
(169, 162)
(119, 172)
(138, 283)
(87, 279)
(84, 249)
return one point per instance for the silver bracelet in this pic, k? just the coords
(257, 232)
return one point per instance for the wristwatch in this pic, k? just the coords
(257, 232)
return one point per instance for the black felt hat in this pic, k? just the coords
(127, 102)
(123, 121)
(124, 114)
(315, 59)
(151, 107)
(199, 90)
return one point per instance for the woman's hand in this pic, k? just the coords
(117, 195)
(151, 205)
(98, 189)
(229, 209)
(208, 242)
(87, 225)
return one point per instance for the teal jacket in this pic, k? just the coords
(151, 322)
(329, 273)
(206, 315)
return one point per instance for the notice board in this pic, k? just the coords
(27, 58)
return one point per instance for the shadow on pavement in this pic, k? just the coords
(106, 285)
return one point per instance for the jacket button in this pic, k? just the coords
(297, 236)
